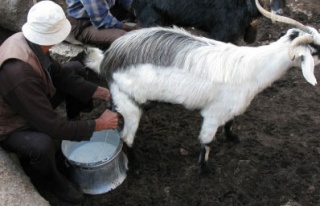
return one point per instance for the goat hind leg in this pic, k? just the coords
(203, 159)
(129, 130)
(207, 134)
(131, 114)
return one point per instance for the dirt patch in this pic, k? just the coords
(276, 163)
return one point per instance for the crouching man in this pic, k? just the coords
(32, 85)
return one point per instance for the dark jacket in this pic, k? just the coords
(28, 79)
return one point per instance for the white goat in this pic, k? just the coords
(172, 65)
(220, 79)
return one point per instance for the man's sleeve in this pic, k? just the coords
(66, 80)
(99, 14)
(26, 95)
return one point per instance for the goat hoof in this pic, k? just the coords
(205, 169)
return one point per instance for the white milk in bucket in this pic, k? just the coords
(98, 165)
(92, 152)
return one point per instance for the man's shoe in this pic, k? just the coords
(67, 191)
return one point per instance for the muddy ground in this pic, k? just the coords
(276, 163)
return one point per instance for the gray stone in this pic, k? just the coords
(16, 188)
(64, 51)
(13, 13)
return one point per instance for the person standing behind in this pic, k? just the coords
(98, 22)
(32, 85)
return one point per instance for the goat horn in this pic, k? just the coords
(307, 39)
(282, 19)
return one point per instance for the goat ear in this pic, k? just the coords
(307, 66)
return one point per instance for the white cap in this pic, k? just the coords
(46, 24)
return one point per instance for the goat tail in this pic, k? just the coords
(93, 59)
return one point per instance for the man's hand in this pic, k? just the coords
(102, 93)
(128, 27)
(108, 120)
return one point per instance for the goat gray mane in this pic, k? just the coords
(167, 47)
(158, 46)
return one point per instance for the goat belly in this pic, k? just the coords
(152, 83)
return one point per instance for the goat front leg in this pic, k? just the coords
(230, 136)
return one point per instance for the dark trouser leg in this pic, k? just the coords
(38, 150)
(73, 105)
(85, 32)
(101, 38)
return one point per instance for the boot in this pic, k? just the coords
(66, 190)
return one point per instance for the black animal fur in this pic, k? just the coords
(223, 20)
